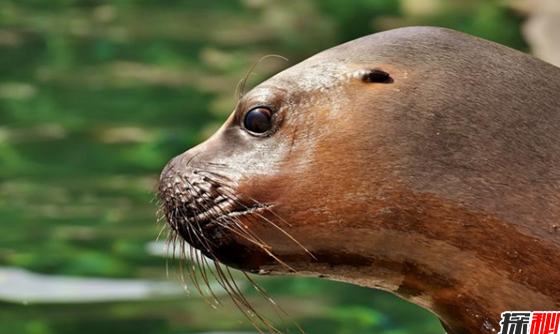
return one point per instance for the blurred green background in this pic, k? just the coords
(95, 98)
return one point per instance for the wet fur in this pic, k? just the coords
(440, 186)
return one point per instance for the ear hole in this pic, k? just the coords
(377, 75)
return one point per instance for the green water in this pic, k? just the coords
(95, 98)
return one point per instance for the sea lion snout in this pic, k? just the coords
(203, 205)
(185, 192)
(189, 195)
(181, 165)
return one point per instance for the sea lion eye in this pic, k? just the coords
(258, 120)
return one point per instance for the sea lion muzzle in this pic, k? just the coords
(201, 206)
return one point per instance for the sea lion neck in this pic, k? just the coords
(448, 260)
(447, 263)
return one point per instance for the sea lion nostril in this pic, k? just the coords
(377, 75)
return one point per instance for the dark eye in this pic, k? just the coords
(258, 120)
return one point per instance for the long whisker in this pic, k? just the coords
(202, 261)
(207, 246)
(269, 221)
(278, 310)
(262, 245)
(240, 89)
(191, 270)
(246, 234)
(187, 206)
(242, 233)
(244, 302)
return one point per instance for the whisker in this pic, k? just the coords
(262, 245)
(187, 205)
(276, 226)
(203, 242)
(236, 291)
(240, 90)
(244, 233)
(241, 301)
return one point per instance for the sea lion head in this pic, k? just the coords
(420, 161)
(257, 193)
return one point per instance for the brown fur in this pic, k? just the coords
(440, 186)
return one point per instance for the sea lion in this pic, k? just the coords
(420, 161)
